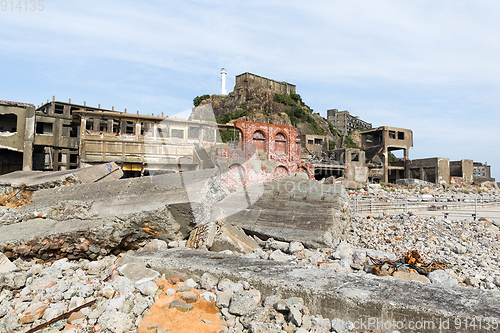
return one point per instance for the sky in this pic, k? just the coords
(430, 66)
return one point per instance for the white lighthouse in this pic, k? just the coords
(223, 73)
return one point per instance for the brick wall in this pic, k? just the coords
(265, 152)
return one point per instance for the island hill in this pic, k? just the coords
(262, 100)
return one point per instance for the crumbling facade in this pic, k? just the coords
(482, 172)
(246, 79)
(16, 136)
(344, 122)
(262, 153)
(377, 143)
(461, 172)
(62, 136)
(434, 170)
(144, 144)
(316, 145)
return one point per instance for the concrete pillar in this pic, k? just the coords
(422, 174)
(386, 167)
(83, 126)
(406, 164)
(29, 138)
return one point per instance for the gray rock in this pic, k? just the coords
(277, 245)
(295, 315)
(208, 296)
(271, 301)
(156, 245)
(223, 298)
(277, 255)
(229, 285)
(259, 314)
(180, 306)
(297, 302)
(258, 327)
(440, 277)
(137, 273)
(5, 264)
(208, 281)
(241, 303)
(191, 283)
(116, 322)
(295, 247)
(123, 285)
(148, 288)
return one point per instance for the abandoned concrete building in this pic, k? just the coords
(61, 136)
(482, 172)
(346, 163)
(261, 152)
(16, 144)
(246, 79)
(377, 143)
(316, 145)
(344, 122)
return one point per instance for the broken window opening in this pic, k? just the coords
(103, 125)
(280, 146)
(401, 135)
(89, 126)
(8, 123)
(145, 127)
(163, 131)
(392, 134)
(59, 109)
(310, 142)
(177, 133)
(318, 142)
(259, 140)
(194, 132)
(354, 157)
(43, 128)
(116, 126)
(129, 127)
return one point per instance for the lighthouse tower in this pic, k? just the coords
(223, 73)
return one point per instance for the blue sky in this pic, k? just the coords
(429, 66)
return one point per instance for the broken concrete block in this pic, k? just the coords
(5, 264)
(233, 239)
(180, 306)
(292, 209)
(138, 273)
(110, 216)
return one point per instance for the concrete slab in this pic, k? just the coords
(88, 220)
(358, 298)
(290, 209)
(48, 179)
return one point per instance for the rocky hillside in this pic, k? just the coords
(263, 105)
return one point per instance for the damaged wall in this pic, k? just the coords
(265, 152)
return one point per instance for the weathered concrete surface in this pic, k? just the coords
(290, 209)
(332, 294)
(91, 219)
(48, 179)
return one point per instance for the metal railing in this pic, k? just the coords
(404, 204)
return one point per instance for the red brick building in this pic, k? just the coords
(264, 152)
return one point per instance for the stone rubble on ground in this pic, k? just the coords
(34, 292)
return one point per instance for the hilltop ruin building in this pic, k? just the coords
(246, 79)
(344, 122)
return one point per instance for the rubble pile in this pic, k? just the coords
(137, 299)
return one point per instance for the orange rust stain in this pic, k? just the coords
(160, 317)
(151, 232)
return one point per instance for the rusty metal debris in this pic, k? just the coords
(63, 316)
(16, 198)
(410, 259)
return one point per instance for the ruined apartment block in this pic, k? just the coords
(377, 143)
(144, 144)
(344, 122)
(435, 169)
(263, 152)
(482, 172)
